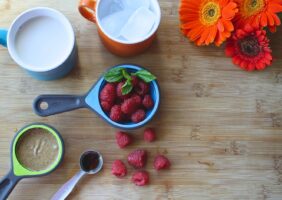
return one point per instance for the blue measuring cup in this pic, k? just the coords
(46, 105)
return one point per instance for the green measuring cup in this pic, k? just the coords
(18, 170)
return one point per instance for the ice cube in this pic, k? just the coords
(113, 23)
(138, 25)
(135, 4)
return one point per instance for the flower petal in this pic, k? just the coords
(263, 20)
(228, 25)
(272, 29)
(212, 34)
(270, 19)
(190, 25)
(248, 28)
(204, 36)
(229, 50)
(275, 8)
(220, 26)
(228, 11)
(277, 21)
(194, 34)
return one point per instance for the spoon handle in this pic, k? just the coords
(67, 188)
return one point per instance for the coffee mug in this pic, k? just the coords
(41, 40)
(94, 11)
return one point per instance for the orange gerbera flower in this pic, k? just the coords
(207, 21)
(258, 13)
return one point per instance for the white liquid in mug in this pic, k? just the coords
(42, 42)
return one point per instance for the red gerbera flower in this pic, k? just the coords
(249, 48)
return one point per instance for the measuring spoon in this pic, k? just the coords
(18, 170)
(91, 162)
(46, 105)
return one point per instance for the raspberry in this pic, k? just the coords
(149, 135)
(106, 106)
(140, 178)
(161, 162)
(148, 102)
(119, 169)
(108, 93)
(134, 81)
(116, 113)
(137, 99)
(138, 116)
(137, 158)
(130, 105)
(123, 139)
(142, 88)
(119, 91)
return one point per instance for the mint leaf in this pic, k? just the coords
(114, 75)
(127, 87)
(145, 75)
(126, 75)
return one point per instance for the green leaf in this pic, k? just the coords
(114, 75)
(126, 75)
(145, 75)
(127, 87)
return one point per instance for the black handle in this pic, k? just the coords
(7, 184)
(46, 105)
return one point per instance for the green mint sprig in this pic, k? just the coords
(127, 87)
(144, 75)
(118, 74)
(114, 75)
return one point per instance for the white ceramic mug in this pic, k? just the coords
(41, 40)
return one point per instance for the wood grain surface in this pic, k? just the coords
(220, 126)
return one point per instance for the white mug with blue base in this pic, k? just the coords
(42, 41)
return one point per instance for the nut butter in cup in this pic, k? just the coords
(37, 150)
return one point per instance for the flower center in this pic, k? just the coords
(249, 46)
(251, 7)
(210, 13)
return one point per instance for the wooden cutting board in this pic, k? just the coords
(220, 126)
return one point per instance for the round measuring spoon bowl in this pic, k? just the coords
(36, 150)
(91, 162)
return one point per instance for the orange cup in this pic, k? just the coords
(90, 9)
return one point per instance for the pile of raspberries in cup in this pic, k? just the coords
(138, 159)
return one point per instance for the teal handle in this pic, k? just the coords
(3, 37)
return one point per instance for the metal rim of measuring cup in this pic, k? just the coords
(59, 160)
(100, 165)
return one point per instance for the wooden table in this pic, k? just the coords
(220, 126)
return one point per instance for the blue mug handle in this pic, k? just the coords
(3, 37)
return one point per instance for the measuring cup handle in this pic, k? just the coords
(7, 184)
(67, 188)
(46, 105)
